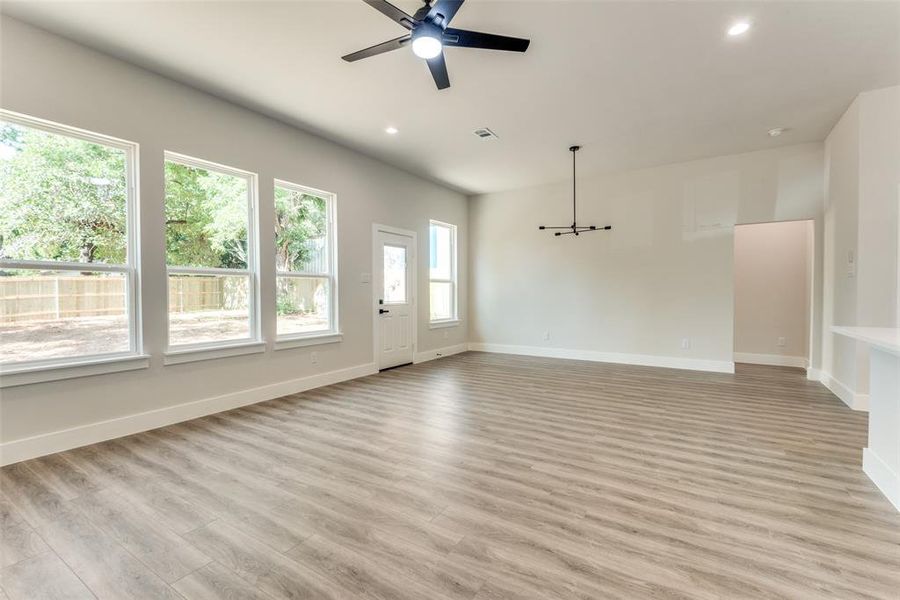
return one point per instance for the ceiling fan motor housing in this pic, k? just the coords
(426, 29)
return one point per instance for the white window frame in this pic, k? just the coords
(454, 296)
(32, 371)
(333, 333)
(253, 343)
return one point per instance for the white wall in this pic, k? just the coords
(840, 355)
(664, 273)
(772, 264)
(862, 210)
(52, 78)
(879, 206)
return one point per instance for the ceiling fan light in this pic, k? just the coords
(739, 28)
(426, 46)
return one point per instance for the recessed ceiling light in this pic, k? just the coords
(391, 130)
(776, 131)
(739, 28)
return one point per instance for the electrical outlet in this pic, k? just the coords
(446, 334)
(781, 342)
(314, 357)
(547, 335)
(685, 343)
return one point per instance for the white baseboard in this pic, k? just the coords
(854, 400)
(776, 360)
(669, 362)
(58, 441)
(883, 476)
(813, 374)
(427, 355)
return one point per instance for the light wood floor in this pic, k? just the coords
(476, 476)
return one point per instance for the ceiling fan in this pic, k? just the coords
(429, 33)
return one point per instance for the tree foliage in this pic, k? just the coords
(60, 198)
(206, 218)
(300, 229)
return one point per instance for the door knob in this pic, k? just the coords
(381, 311)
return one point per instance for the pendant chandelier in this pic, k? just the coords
(575, 228)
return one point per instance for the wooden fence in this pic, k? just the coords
(59, 297)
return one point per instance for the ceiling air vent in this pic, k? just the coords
(485, 134)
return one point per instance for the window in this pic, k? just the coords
(443, 272)
(210, 254)
(68, 245)
(306, 294)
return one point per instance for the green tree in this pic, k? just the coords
(299, 219)
(206, 218)
(60, 198)
(63, 198)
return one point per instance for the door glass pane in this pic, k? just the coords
(302, 305)
(49, 315)
(394, 274)
(441, 300)
(208, 308)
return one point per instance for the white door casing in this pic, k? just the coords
(394, 269)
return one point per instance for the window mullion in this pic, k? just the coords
(52, 265)
(207, 271)
(301, 274)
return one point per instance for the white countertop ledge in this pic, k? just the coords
(885, 338)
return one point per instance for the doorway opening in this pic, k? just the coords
(773, 289)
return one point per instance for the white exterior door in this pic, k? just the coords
(394, 298)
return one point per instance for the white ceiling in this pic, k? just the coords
(636, 83)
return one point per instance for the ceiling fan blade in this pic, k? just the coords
(443, 9)
(378, 49)
(487, 41)
(392, 12)
(438, 68)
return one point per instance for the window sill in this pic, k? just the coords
(442, 324)
(13, 376)
(194, 354)
(308, 340)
